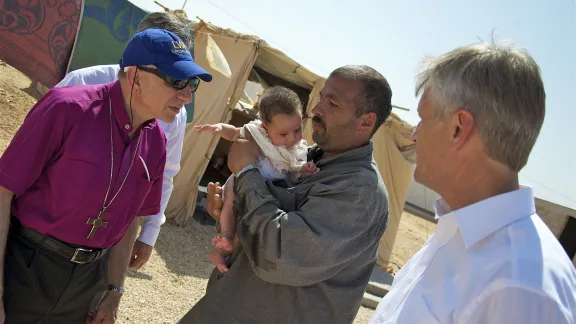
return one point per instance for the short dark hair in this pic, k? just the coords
(377, 95)
(278, 100)
(169, 22)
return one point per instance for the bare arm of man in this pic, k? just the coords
(117, 266)
(119, 257)
(5, 201)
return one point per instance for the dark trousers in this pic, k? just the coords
(43, 287)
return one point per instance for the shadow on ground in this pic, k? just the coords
(138, 275)
(32, 91)
(185, 250)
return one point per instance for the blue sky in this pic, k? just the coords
(393, 36)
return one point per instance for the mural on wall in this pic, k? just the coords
(106, 28)
(36, 36)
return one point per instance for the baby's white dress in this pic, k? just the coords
(275, 162)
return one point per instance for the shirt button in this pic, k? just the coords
(127, 126)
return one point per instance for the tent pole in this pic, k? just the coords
(401, 108)
(165, 8)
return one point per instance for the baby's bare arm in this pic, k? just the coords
(230, 132)
(227, 131)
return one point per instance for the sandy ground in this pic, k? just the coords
(177, 273)
(412, 234)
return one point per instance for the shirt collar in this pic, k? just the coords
(119, 110)
(483, 218)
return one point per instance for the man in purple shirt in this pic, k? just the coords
(84, 164)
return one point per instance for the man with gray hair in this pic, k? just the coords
(174, 131)
(307, 251)
(492, 259)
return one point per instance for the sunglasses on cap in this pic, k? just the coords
(174, 83)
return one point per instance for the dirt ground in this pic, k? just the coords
(412, 234)
(177, 273)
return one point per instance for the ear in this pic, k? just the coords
(133, 77)
(265, 125)
(367, 123)
(463, 125)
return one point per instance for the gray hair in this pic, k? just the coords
(376, 96)
(169, 22)
(501, 86)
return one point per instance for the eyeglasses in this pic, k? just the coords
(174, 83)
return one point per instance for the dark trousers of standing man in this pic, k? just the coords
(47, 281)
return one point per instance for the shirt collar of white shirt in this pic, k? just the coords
(479, 220)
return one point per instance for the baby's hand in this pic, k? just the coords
(214, 129)
(308, 169)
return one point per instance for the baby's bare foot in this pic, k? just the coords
(225, 245)
(217, 258)
(216, 239)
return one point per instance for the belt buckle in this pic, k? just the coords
(73, 259)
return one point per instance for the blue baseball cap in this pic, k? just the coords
(164, 50)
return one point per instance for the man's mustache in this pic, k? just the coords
(318, 120)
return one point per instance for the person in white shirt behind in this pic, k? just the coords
(491, 259)
(174, 131)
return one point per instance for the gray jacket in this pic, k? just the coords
(307, 251)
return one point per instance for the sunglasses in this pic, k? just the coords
(174, 83)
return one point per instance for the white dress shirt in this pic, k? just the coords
(491, 262)
(174, 136)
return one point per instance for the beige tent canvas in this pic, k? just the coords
(252, 61)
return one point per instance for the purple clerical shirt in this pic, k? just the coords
(58, 165)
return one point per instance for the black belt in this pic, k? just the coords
(79, 255)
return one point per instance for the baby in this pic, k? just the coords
(278, 133)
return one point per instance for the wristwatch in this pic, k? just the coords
(117, 288)
(246, 168)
